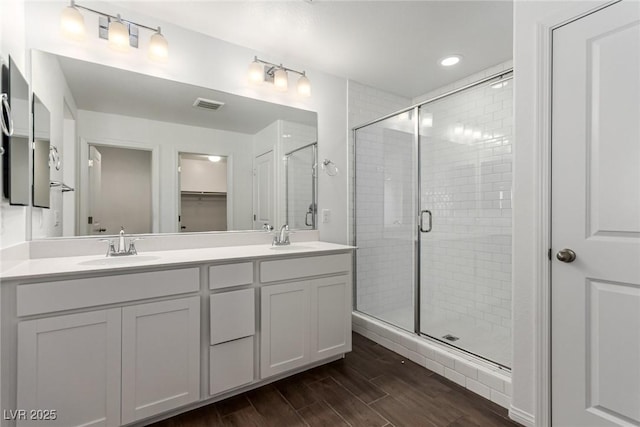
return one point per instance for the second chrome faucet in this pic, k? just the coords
(282, 238)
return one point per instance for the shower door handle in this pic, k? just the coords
(426, 211)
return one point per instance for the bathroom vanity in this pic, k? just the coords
(115, 341)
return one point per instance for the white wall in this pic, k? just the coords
(204, 61)
(49, 83)
(532, 19)
(13, 219)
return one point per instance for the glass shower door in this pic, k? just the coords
(465, 234)
(385, 231)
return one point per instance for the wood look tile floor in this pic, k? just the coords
(371, 386)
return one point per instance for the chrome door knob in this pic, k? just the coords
(566, 255)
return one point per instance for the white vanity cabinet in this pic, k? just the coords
(304, 321)
(71, 364)
(109, 367)
(128, 345)
(232, 325)
(160, 357)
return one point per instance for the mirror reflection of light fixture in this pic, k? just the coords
(121, 34)
(262, 71)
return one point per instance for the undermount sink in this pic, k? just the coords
(290, 247)
(122, 260)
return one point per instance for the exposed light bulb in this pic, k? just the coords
(281, 80)
(304, 86)
(72, 22)
(118, 35)
(158, 46)
(256, 71)
(214, 158)
(450, 60)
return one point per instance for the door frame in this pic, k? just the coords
(83, 174)
(543, 185)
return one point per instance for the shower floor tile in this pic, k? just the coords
(492, 345)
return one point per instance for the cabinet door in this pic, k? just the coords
(71, 364)
(160, 357)
(330, 316)
(285, 327)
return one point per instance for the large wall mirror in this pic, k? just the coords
(159, 156)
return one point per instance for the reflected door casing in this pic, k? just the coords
(596, 213)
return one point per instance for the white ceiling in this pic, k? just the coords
(104, 89)
(390, 45)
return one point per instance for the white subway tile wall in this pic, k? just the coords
(466, 183)
(466, 141)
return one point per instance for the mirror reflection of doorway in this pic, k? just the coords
(203, 192)
(119, 190)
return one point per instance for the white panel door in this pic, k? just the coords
(285, 327)
(263, 191)
(71, 364)
(596, 214)
(95, 192)
(330, 316)
(160, 357)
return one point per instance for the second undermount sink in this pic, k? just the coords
(122, 260)
(290, 248)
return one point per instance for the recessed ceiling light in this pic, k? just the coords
(450, 60)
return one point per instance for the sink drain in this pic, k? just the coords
(450, 337)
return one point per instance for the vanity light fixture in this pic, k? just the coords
(72, 22)
(118, 35)
(121, 34)
(262, 71)
(450, 60)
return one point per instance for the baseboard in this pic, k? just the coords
(522, 417)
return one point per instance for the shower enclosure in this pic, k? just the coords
(433, 218)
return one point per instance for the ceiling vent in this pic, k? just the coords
(208, 104)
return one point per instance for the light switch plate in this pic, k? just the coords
(326, 215)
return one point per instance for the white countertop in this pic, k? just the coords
(43, 267)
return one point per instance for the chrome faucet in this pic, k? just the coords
(122, 246)
(282, 238)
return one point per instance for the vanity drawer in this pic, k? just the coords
(232, 315)
(295, 268)
(62, 295)
(224, 276)
(231, 365)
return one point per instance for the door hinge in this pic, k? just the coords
(90, 220)
(549, 254)
(254, 217)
